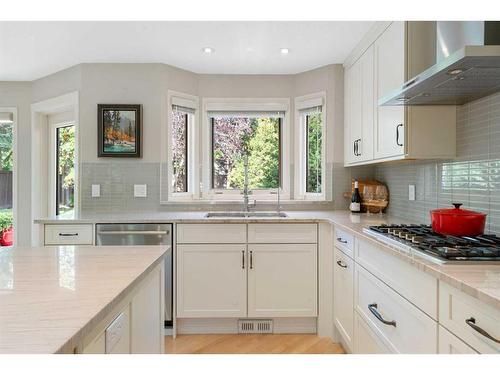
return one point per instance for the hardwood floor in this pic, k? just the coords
(251, 344)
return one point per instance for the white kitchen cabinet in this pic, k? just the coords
(211, 280)
(282, 233)
(401, 51)
(135, 325)
(147, 315)
(359, 98)
(473, 321)
(400, 276)
(366, 341)
(343, 297)
(68, 234)
(398, 324)
(390, 74)
(282, 280)
(451, 344)
(211, 233)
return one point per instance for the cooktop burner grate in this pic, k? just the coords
(440, 247)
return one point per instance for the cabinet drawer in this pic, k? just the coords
(366, 340)
(460, 312)
(282, 233)
(418, 287)
(211, 233)
(399, 324)
(71, 234)
(451, 344)
(344, 241)
(343, 303)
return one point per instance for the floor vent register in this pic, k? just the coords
(255, 326)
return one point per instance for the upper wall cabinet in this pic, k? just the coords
(382, 133)
(359, 100)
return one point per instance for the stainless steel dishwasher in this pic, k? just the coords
(150, 234)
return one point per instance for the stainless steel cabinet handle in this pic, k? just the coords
(397, 134)
(471, 322)
(145, 232)
(243, 259)
(341, 240)
(68, 234)
(355, 146)
(251, 260)
(359, 153)
(373, 309)
(339, 262)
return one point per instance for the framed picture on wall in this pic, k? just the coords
(119, 130)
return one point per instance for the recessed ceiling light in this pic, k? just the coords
(284, 51)
(208, 49)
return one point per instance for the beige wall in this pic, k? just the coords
(18, 94)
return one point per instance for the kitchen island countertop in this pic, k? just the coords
(52, 297)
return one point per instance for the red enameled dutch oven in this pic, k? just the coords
(458, 222)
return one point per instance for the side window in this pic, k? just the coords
(179, 151)
(65, 169)
(314, 152)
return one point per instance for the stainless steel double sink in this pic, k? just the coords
(246, 214)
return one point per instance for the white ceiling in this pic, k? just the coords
(30, 50)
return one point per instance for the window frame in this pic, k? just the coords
(302, 105)
(53, 164)
(245, 105)
(175, 98)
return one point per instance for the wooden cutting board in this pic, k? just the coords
(374, 195)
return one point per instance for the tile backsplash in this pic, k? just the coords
(472, 178)
(117, 178)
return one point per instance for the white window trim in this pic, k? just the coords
(301, 103)
(15, 165)
(39, 155)
(52, 181)
(244, 104)
(188, 101)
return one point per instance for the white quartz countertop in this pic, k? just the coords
(479, 280)
(51, 297)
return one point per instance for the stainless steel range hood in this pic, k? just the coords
(471, 71)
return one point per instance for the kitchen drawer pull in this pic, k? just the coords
(373, 309)
(341, 240)
(397, 135)
(339, 262)
(251, 260)
(68, 234)
(145, 232)
(243, 259)
(471, 322)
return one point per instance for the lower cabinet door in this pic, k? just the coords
(343, 296)
(211, 281)
(451, 344)
(366, 340)
(282, 280)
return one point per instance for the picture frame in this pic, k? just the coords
(119, 128)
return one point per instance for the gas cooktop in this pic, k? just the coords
(436, 247)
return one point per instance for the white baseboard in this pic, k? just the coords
(230, 325)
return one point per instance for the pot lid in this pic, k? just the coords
(457, 211)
